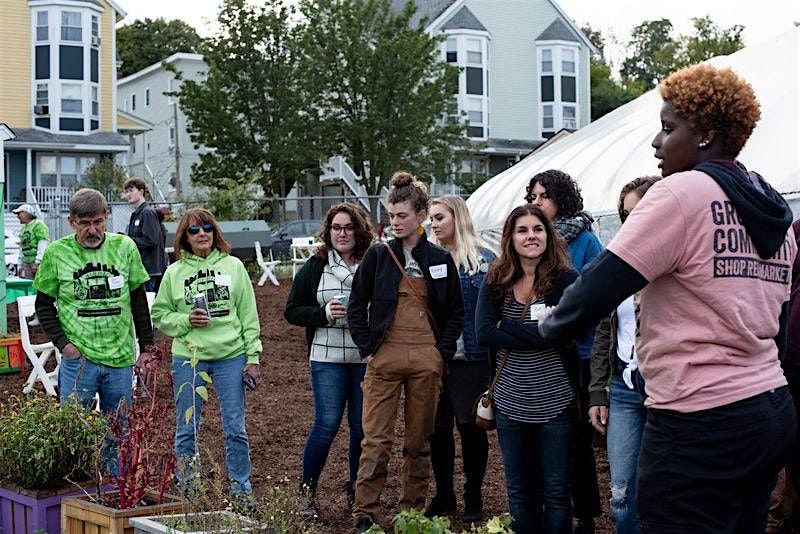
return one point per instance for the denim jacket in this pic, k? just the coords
(470, 287)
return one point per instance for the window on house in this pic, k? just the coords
(171, 136)
(475, 116)
(558, 79)
(94, 65)
(547, 60)
(474, 51)
(71, 98)
(568, 89)
(474, 81)
(48, 174)
(147, 97)
(42, 26)
(452, 50)
(71, 26)
(95, 26)
(547, 117)
(570, 120)
(95, 101)
(133, 102)
(568, 60)
(42, 94)
(42, 61)
(69, 171)
(70, 62)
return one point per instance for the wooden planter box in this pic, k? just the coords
(24, 511)
(79, 515)
(159, 524)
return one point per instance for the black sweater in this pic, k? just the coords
(302, 308)
(373, 299)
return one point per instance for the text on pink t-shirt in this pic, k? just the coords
(711, 309)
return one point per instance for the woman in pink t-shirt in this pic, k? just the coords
(710, 247)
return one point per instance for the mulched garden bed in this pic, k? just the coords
(279, 416)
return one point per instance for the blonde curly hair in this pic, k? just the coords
(712, 98)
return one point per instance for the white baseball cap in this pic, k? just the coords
(27, 208)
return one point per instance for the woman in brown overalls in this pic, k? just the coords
(406, 312)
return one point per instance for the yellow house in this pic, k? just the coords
(58, 73)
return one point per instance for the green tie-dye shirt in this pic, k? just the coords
(93, 290)
(29, 237)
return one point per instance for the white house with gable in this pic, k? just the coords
(164, 153)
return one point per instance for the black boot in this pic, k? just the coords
(350, 490)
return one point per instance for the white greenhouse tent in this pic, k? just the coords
(608, 153)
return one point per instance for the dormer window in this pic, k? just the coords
(468, 51)
(71, 26)
(558, 86)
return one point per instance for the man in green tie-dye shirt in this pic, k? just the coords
(97, 280)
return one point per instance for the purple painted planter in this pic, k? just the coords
(26, 511)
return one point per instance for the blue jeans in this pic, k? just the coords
(226, 376)
(537, 461)
(80, 379)
(627, 416)
(333, 385)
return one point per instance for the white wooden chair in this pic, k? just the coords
(37, 354)
(266, 266)
(302, 249)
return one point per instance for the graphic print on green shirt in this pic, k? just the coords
(215, 286)
(29, 237)
(92, 288)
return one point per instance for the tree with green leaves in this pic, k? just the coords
(654, 53)
(383, 89)
(251, 110)
(145, 42)
(607, 93)
(107, 176)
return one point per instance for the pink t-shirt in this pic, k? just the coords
(710, 312)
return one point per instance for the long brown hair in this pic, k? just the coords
(198, 216)
(361, 225)
(506, 270)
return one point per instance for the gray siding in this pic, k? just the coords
(513, 71)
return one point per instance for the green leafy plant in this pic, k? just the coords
(415, 522)
(44, 443)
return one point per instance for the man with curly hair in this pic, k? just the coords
(712, 249)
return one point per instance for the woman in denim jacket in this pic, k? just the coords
(469, 372)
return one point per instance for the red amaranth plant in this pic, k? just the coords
(144, 433)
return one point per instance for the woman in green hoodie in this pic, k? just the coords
(217, 343)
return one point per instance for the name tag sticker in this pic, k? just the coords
(536, 310)
(116, 282)
(438, 271)
(222, 280)
(136, 222)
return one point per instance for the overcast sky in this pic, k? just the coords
(762, 19)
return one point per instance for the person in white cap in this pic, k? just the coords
(33, 239)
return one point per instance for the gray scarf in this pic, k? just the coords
(570, 228)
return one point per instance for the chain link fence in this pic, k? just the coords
(280, 211)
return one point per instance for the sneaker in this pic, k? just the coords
(363, 525)
(350, 491)
(441, 506)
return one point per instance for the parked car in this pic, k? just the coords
(282, 237)
(12, 253)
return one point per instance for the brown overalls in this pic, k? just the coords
(408, 357)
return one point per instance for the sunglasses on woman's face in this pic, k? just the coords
(207, 228)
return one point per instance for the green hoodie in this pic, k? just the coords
(234, 327)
